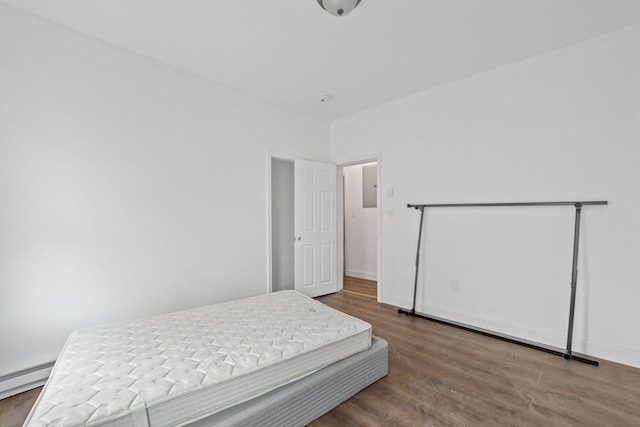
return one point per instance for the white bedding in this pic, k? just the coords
(176, 368)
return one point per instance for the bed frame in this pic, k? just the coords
(300, 402)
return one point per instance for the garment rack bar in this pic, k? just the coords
(462, 205)
(574, 275)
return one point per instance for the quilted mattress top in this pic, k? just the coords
(106, 372)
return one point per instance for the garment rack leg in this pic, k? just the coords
(415, 281)
(574, 280)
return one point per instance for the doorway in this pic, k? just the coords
(303, 229)
(360, 255)
(281, 269)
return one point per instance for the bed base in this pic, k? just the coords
(300, 402)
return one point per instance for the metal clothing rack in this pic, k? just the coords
(574, 277)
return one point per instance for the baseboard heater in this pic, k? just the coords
(24, 380)
(566, 353)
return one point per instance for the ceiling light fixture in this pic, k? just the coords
(338, 7)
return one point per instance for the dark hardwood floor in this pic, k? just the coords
(14, 410)
(444, 376)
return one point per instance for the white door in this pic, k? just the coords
(315, 228)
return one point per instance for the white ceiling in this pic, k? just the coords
(291, 52)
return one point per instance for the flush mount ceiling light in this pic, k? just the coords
(338, 7)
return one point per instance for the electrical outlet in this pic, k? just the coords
(454, 285)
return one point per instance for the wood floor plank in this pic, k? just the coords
(14, 410)
(361, 287)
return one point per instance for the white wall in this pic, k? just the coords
(127, 187)
(561, 126)
(361, 231)
(282, 220)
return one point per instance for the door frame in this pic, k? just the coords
(340, 164)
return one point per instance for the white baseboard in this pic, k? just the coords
(396, 302)
(24, 380)
(582, 345)
(556, 339)
(361, 274)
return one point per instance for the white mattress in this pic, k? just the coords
(176, 368)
